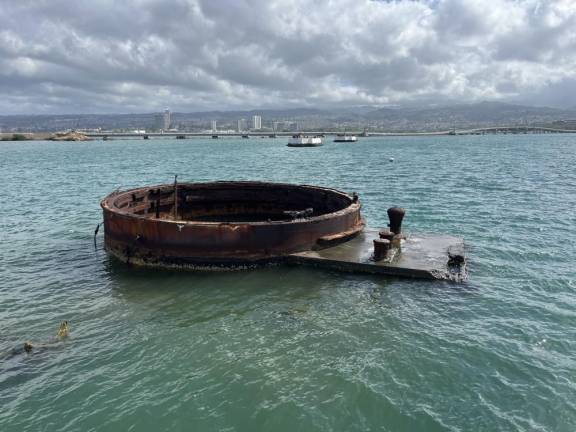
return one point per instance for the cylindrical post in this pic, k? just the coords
(176, 197)
(386, 234)
(381, 248)
(396, 214)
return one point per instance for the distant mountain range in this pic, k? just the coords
(478, 112)
(372, 118)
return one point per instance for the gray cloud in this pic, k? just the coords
(142, 55)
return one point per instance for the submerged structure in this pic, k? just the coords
(231, 225)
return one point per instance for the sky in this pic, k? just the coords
(112, 56)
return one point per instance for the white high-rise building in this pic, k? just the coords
(242, 126)
(214, 127)
(256, 122)
(166, 119)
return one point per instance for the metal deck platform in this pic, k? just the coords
(426, 256)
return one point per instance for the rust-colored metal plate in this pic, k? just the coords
(223, 224)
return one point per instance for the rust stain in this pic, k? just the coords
(226, 222)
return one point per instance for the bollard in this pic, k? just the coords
(381, 248)
(396, 214)
(386, 234)
(176, 197)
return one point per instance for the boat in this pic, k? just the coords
(345, 138)
(300, 140)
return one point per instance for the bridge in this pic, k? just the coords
(184, 135)
(511, 130)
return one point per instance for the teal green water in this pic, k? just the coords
(286, 349)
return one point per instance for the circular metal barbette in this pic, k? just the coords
(222, 225)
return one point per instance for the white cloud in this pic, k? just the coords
(143, 55)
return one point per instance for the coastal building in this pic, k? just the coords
(214, 127)
(256, 122)
(166, 119)
(242, 125)
(159, 121)
(284, 125)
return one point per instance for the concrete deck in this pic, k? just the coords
(423, 256)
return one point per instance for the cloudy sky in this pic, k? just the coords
(70, 56)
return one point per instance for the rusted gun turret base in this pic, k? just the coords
(420, 256)
(425, 256)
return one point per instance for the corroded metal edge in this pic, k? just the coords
(140, 237)
(193, 265)
(106, 203)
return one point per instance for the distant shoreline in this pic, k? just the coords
(112, 135)
(43, 136)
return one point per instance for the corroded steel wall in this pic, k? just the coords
(133, 233)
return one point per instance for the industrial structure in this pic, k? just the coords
(237, 225)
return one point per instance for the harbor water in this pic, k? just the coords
(287, 348)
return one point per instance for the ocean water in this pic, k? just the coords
(294, 349)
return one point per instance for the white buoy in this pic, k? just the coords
(391, 159)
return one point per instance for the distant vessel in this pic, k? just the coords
(345, 138)
(300, 140)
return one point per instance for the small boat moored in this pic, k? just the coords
(300, 140)
(345, 138)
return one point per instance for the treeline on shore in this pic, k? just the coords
(15, 137)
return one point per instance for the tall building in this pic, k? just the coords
(242, 125)
(256, 122)
(214, 128)
(159, 121)
(166, 119)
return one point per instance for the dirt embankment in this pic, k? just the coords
(44, 136)
(69, 136)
